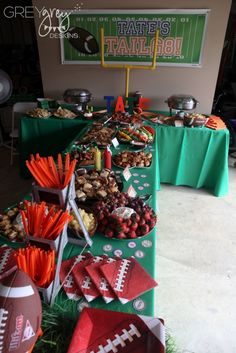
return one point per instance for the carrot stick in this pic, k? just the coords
(59, 227)
(70, 172)
(67, 164)
(37, 174)
(50, 213)
(48, 230)
(39, 181)
(44, 170)
(54, 172)
(60, 168)
(24, 221)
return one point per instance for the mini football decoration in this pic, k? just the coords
(83, 41)
(127, 278)
(7, 261)
(20, 313)
(99, 331)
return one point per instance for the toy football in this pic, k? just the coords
(83, 41)
(20, 313)
(7, 261)
(99, 331)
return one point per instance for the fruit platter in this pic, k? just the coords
(94, 185)
(140, 136)
(133, 159)
(83, 154)
(99, 134)
(123, 217)
(11, 226)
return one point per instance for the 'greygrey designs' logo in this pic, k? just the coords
(46, 17)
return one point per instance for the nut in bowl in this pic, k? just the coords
(123, 217)
(89, 219)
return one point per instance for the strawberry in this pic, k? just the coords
(132, 234)
(135, 217)
(100, 216)
(128, 222)
(142, 222)
(125, 229)
(144, 229)
(147, 216)
(109, 233)
(134, 226)
(104, 221)
(121, 235)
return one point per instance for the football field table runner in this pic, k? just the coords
(195, 157)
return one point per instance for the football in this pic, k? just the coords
(83, 41)
(7, 261)
(20, 313)
(99, 331)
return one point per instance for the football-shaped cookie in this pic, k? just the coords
(83, 41)
(20, 313)
(99, 331)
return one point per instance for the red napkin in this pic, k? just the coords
(100, 331)
(215, 123)
(72, 290)
(100, 281)
(8, 262)
(128, 279)
(84, 281)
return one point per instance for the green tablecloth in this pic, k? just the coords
(45, 136)
(145, 247)
(196, 157)
(145, 181)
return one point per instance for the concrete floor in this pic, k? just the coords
(197, 267)
(196, 260)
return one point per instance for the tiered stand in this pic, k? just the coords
(65, 199)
